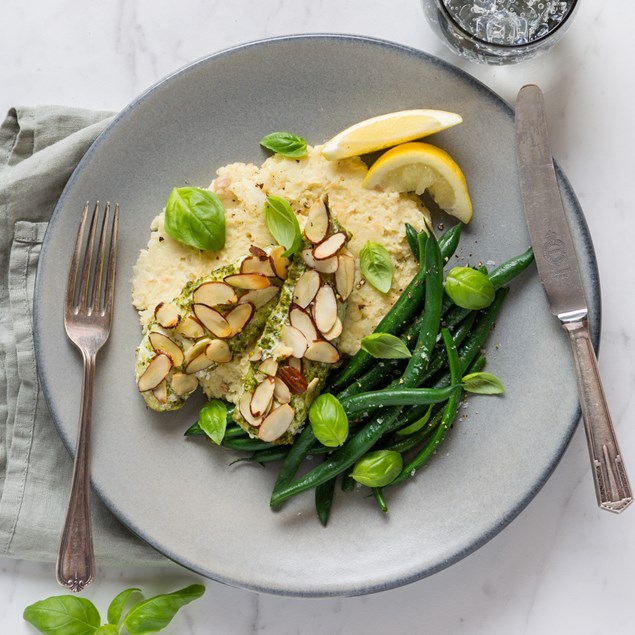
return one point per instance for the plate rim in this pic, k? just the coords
(594, 306)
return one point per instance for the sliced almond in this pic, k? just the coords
(317, 222)
(247, 280)
(163, 344)
(269, 367)
(280, 263)
(281, 392)
(214, 293)
(243, 408)
(161, 392)
(198, 348)
(345, 276)
(276, 423)
(259, 297)
(293, 378)
(323, 352)
(312, 388)
(255, 355)
(239, 317)
(253, 264)
(212, 320)
(167, 315)
(156, 371)
(293, 339)
(262, 397)
(323, 266)
(295, 362)
(330, 246)
(191, 328)
(218, 351)
(335, 332)
(302, 321)
(182, 384)
(258, 252)
(202, 362)
(325, 309)
(306, 288)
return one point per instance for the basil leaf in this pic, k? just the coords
(154, 614)
(328, 421)
(107, 629)
(195, 217)
(285, 143)
(417, 425)
(376, 266)
(377, 469)
(63, 615)
(468, 288)
(212, 419)
(483, 384)
(385, 346)
(117, 605)
(283, 224)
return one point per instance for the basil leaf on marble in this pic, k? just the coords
(154, 614)
(63, 615)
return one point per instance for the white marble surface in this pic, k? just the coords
(562, 566)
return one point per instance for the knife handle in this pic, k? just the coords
(611, 482)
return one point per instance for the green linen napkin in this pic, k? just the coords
(39, 148)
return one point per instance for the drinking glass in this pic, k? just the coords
(499, 31)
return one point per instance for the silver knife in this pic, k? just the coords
(559, 272)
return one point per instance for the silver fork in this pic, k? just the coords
(88, 310)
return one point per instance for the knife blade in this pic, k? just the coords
(559, 272)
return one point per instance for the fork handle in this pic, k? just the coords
(75, 558)
(609, 475)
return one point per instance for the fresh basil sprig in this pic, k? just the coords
(212, 419)
(377, 469)
(385, 346)
(375, 264)
(71, 615)
(195, 217)
(285, 143)
(469, 288)
(328, 421)
(483, 384)
(283, 224)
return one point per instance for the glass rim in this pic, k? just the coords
(507, 47)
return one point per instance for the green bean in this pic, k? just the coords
(412, 235)
(324, 500)
(449, 412)
(508, 270)
(477, 365)
(268, 455)
(396, 397)
(348, 483)
(378, 494)
(247, 444)
(405, 308)
(302, 444)
(429, 327)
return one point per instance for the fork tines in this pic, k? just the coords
(92, 272)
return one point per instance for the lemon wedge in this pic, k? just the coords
(417, 167)
(388, 130)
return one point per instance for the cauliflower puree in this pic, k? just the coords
(165, 266)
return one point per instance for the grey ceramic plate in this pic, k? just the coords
(181, 495)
